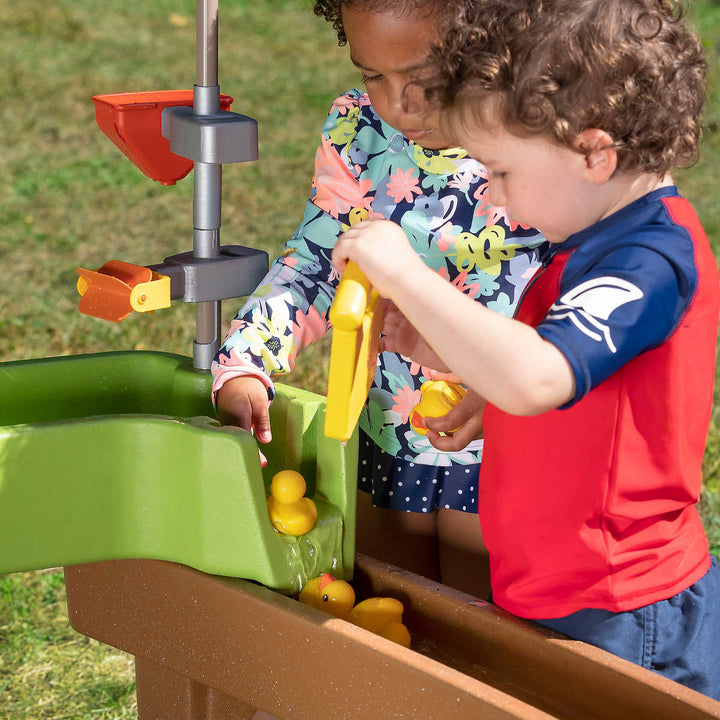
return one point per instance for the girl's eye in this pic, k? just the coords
(498, 175)
(369, 78)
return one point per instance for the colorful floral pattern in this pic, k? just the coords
(364, 168)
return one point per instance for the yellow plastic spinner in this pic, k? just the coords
(356, 315)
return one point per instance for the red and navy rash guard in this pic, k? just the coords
(594, 507)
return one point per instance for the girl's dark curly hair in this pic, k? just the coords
(331, 10)
(558, 67)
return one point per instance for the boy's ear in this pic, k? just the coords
(600, 153)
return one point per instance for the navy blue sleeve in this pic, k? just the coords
(629, 301)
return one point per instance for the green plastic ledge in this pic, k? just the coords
(116, 455)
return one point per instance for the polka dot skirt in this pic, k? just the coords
(399, 484)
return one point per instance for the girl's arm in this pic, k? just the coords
(502, 360)
(288, 310)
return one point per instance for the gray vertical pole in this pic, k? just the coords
(208, 180)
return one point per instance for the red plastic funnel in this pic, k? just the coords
(133, 121)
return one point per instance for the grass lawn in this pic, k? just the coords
(68, 198)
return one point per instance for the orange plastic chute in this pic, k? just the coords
(105, 293)
(133, 121)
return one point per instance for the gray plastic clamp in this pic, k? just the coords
(235, 272)
(225, 137)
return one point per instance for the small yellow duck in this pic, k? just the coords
(290, 512)
(380, 615)
(437, 397)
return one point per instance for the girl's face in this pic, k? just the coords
(390, 52)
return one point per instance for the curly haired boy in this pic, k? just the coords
(579, 109)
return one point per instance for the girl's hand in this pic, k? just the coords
(243, 401)
(380, 249)
(400, 336)
(467, 414)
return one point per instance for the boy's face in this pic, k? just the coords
(390, 52)
(541, 183)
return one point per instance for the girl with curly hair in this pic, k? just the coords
(382, 155)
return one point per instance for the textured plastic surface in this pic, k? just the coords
(133, 121)
(117, 288)
(356, 315)
(114, 456)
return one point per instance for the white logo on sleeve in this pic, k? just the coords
(591, 303)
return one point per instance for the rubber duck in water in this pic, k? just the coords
(290, 512)
(437, 397)
(380, 615)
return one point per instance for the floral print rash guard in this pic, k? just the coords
(366, 169)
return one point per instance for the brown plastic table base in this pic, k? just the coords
(211, 648)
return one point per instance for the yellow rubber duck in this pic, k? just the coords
(437, 398)
(329, 595)
(380, 615)
(290, 512)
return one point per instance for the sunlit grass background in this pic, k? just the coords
(68, 198)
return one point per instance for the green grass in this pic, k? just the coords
(68, 198)
(47, 670)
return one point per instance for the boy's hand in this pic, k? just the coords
(243, 401)
(400, 336)
(467, 414)
(381, 250)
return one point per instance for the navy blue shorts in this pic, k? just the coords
(678, 637)
(399, 484)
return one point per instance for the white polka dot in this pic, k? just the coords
(467, 470)
(424, 499)
(417, 482)
(447, 507)
(434, 481)
(464, 508)
(390, 493)
(447, 472)
(412, 464)
(379, 467)
(472, 488)
(424, 509)
(440, 490)
(384, 479)
(399, 484)
(364, 462)
(459, 492)
(407, 499)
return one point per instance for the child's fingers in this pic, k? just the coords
(261, 423)
(462, 424)
(352, 240)
(458, 440)
(346, 243)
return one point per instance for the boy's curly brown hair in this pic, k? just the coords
(558, 67)
(331, 10)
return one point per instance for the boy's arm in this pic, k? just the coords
(503, 360)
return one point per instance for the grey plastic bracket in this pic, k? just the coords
(235, 272)
(204, 354)
(225, 137)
